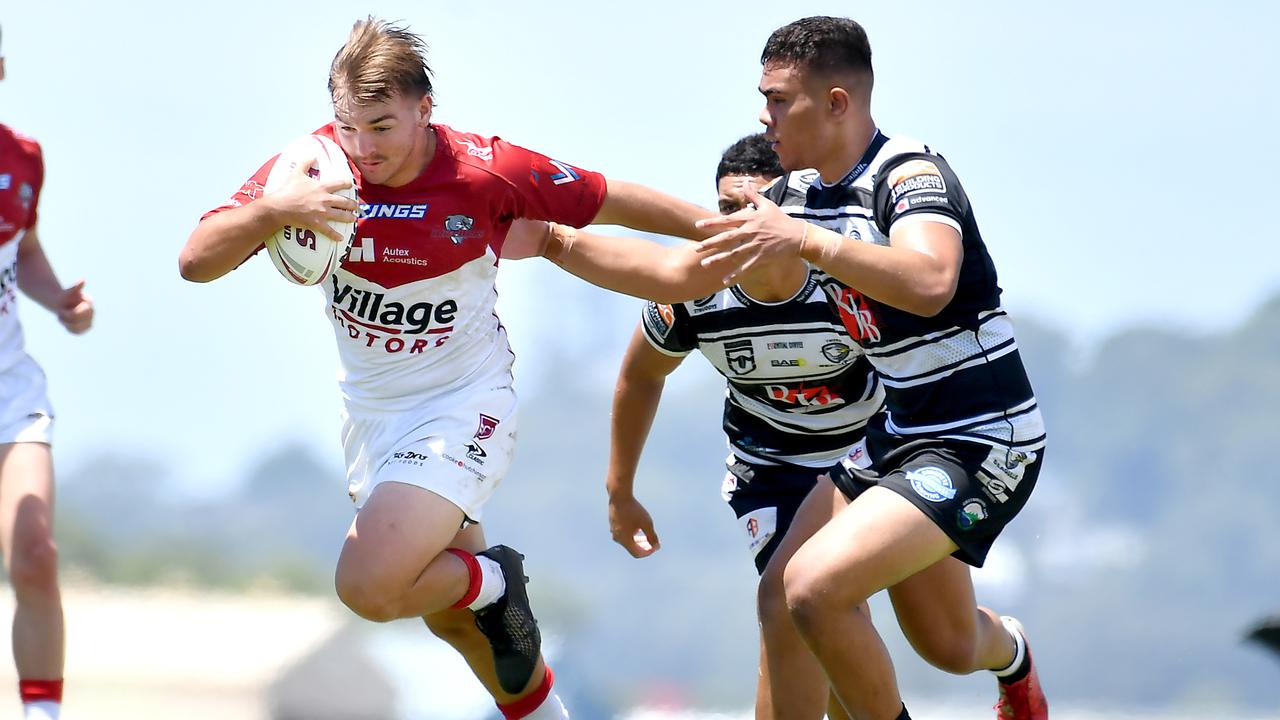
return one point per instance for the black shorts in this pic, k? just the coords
(968, 489)
(765, 499)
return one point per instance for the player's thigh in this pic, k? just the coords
(400, 529)
(822, 503)
(876, 541)
(26, 495)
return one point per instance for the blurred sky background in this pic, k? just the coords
(1120, 156)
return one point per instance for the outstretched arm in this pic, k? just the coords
(37, 280)
(635, 403)
(633, 266)
(647, 210)
(224, 240)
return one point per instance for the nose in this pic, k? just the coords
(766, 119)
(364, 145)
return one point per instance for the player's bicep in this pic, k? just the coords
(644, 361)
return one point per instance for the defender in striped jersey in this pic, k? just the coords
(956, 454)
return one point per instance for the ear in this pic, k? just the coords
(425, 106)
(838, 101)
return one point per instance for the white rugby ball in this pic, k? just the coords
(301, 254)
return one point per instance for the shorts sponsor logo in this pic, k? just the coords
(740, 355)
(409, 457)
(973, 512)
(1003, 470)
(487, 426)
(465, 466)
(915, 176)
(932, 483)
(760, 525)
(476, 453)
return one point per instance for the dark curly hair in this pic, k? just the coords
(821, 43)
(750, 156)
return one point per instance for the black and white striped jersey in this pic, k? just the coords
(799, 389)
(956, 375)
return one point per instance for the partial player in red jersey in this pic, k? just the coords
(26, 424)
(426, 368)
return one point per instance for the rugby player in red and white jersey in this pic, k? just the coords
(26, 424)
(426, 368)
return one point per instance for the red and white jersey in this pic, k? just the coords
(412, 304)
(21, 177)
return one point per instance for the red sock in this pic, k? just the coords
(38, 690)
(473, 577)
(527, 704)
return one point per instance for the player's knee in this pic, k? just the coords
(365, 598)
(808, 598)
(33, 567)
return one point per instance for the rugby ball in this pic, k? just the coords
(301, 254)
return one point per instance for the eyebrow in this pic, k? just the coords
(770, 91)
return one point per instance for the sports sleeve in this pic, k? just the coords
(251, 190)
(666, 327)
(918, 187)
(548, 189)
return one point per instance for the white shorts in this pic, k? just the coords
(25, 412)
(459, 447)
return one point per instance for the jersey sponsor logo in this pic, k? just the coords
(393, 211)
(366, 315)
(788, 345)
(925, 200)
(789, 362)
(362, 251)
(566, 175)
(5, 181)
(932, 483)
(484, 153)
(814, 396)
(25, 195)
(915, 176)
(837, 352)
(740, 355)
(973, 512)
(855, 312)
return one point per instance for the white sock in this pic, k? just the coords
(1019, 648)
(550, 709)
(41, 710)
(492, 583)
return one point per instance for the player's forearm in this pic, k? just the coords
(36, 278)
(635, 404)
(632, 266)
(221, 242)
(901, 277)
(648, 210)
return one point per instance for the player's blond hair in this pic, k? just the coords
(379, 61)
